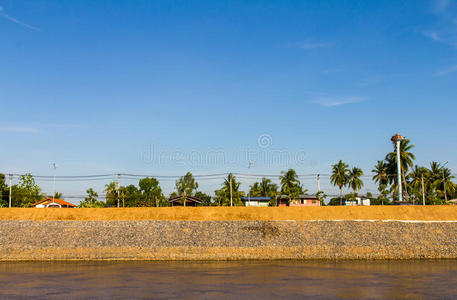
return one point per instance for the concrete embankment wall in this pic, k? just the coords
(225, 240)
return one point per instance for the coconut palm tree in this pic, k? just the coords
(340, 177)
(354, 180)
(406, 161)
(289, 183)
(268, 188)
(111, 193)
(416, 176)
(381, 170)
(440, 178)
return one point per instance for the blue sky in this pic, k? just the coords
(157, 87)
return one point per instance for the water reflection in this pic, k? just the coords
(230, 280)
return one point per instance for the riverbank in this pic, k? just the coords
(411, 213)
(225, 240)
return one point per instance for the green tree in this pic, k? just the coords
(131, 196)
(205, 198)
(26, 192)
(4, 191)
(91, 196)
(340, 177)
(416, 176)
(151, 192)
(111, 193)
(187, 185)
(91, 200)
(441, 177)
(290, 185)
(223, 194)
(58, 195)
(354, 180)
(321, 196)
(381, 173)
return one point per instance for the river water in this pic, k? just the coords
(230, 280)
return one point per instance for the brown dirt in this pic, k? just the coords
(421, 213)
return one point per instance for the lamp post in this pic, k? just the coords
(396, 139)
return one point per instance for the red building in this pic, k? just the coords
(301, 200)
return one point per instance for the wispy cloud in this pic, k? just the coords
(432, 35)
(315, 45)
(14, 20)
(310, 45)
(445, 28)
(337, 101)
(19, 129)
(441, 5)
(447, 71)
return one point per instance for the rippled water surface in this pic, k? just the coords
(230, 280)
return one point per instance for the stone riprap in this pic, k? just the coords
(225, 240)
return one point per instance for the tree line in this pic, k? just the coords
(420, 184)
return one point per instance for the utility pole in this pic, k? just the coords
(423, 190)
(54, 186)
(318, 183)
(230, 183)
(118, 188)
(11, 183)
(444, 181)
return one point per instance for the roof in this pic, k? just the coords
(255, 198)
(58, 201)
(188, 198)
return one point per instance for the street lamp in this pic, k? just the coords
(396, 139)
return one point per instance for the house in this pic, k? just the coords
(256, 201)
(358, 201)
(301, 200)
(53, 203)
(184, 201)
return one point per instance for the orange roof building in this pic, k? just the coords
(53, 203)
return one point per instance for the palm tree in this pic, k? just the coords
(111, 192)
(230, 190)
(416, 176)
(440, 177)
(340, 177)
(406, 162)
(381, 170)
(289, 183)
(268, 188)
(354, 181)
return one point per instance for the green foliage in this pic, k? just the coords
(290, 185)
(26, 192)
(223, 195)
(151, 193)
(91, 200)
(205, 198)
(340, 177)
(321, 196)
(4, 196)
(354, 180)
(187, 185)
(264, 188)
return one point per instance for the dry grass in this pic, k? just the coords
(427, 213)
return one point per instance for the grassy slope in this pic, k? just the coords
(427, 213)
